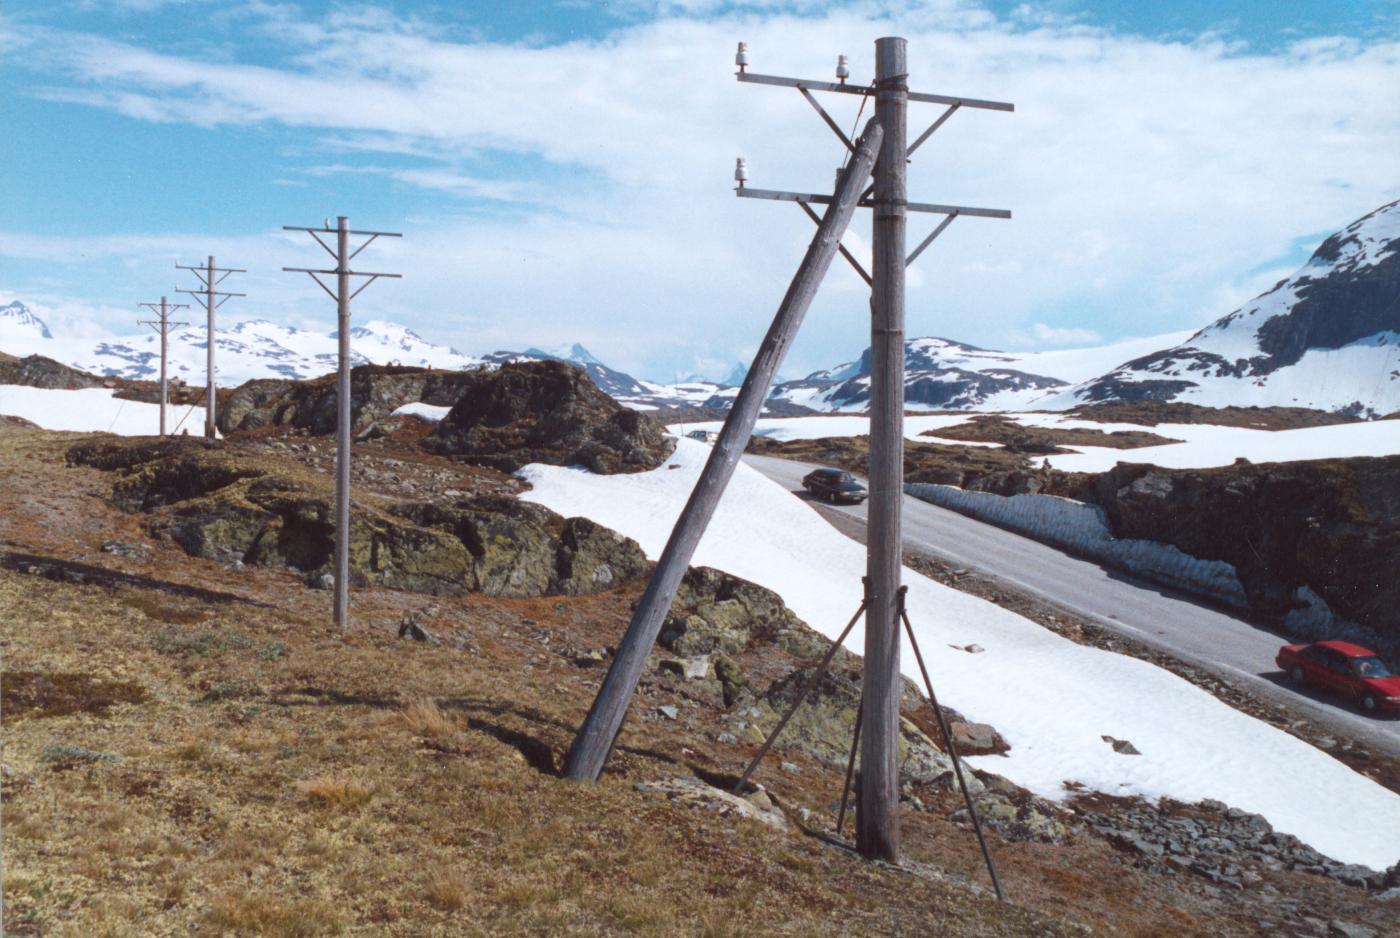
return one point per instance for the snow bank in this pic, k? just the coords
(1206, 446)
(1083, 530)
(430, 412)
(1052, 700)
(94, 409)
(1202, 446)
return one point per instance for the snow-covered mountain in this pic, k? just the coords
(1324, 338)
(19, 324)
(617, 383)
(244, 350)
(941, 374)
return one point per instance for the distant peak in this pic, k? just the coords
(15, 317)
(570, 353)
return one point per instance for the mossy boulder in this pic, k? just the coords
(823, 726)
(716, 612)
(547, 412)
(238, 507)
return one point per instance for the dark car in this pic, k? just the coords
(1346, 670)
(834, 485)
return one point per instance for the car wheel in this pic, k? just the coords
(1296, 674)
(1369, 703)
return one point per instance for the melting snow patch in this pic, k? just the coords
(1052, 700)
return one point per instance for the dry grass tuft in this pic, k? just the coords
(425, 718)
(247, 914)
(447, 890)
(329, 791)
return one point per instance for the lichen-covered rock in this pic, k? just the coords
(376, 391)
(592, 558)
(233, 507)
(822, 727)
(36, 371)
(549, 412)
(716, 612)
(691, 791)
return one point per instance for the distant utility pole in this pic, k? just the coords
(877, 822)
(162, 326)
(210, 277)
(342, 296)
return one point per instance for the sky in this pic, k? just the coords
(562, 171)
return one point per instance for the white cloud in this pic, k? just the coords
(1143, 175)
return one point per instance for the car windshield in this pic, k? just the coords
(1370, 667)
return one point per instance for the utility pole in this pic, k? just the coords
(162, 326)
(595, 738)
(210, 277)
(342, 296)
(877, 822)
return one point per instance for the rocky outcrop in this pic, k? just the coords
(235, 507)
(548, 412)
(717, 613)
(1331, 527)
(376, 391)
(36, 371)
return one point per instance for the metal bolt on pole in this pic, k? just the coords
(210, 276)
(162, 326)
(342, 294)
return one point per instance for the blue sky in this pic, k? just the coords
(561, 169)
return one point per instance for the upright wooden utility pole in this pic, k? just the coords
(877, 821)
(162, 326)
(210, 277)
(595, 738)
(342, 296)
(877, 824)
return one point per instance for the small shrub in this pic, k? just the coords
(447, 890)
(425, 718)
(62, 754)
(237, 689)
(272, 651)
(202, 644)
(340, 793)
(247, 914)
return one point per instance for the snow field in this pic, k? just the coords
(1051, 699)
(1203, 445)
(95, 409)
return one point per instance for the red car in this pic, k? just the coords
(1344, 669)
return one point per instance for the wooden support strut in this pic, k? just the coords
(952, 748)
(595, 737)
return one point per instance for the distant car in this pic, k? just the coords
(1344, 669)
(704, 436)
(834, 485)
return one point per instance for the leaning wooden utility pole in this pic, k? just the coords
(595, 738)
(210, 277)
(162, 326)
(877, 823)
(342, 296)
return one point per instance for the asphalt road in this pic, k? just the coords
(1172, 622)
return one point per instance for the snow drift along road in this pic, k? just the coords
(1052, 700)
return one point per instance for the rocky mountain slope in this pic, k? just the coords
(1324, 338)
(941, 374)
